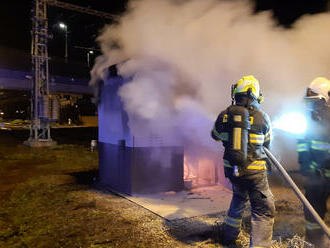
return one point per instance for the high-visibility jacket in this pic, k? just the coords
(259, 135)
(314, 159)
(314, 149)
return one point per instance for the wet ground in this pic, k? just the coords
(49, 198)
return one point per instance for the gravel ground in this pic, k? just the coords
(49, 198)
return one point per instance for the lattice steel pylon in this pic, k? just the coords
(40, 119)
(41, 115)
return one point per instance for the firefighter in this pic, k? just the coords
(314, 157)
(244, 129)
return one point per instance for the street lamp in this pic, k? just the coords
(65, 28)
(88, 59)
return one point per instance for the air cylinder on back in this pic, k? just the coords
(238, 123)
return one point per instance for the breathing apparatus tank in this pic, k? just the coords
(238, 125)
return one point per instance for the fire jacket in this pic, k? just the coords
(259, 135)
(314, 149)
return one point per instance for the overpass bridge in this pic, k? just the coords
(68, 83)
(15, 73)
(21, 80)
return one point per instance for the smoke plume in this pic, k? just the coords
(184, 55)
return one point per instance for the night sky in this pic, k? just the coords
(15, 21)
(15, 25)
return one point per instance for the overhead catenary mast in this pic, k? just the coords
(41, 111)
(40, 124)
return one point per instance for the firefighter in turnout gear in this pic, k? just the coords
(244, 129)
(314, 157)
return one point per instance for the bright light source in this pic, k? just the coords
(62, 25)
(292, 122)
(91, 52)
(2, 113)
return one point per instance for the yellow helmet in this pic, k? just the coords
(319, 88)
(248, 85)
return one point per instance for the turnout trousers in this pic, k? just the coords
(253, 188)
(317, 191)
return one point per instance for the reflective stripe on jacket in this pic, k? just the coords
(314, 149)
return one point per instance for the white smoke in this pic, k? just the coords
(183, 57)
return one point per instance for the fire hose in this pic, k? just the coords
(296, 190)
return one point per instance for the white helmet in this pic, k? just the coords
(319, 89)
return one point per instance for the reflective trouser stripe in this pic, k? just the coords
(312, 225)
(303, 147)
(257, 165)
(320, 145)
(236, 223)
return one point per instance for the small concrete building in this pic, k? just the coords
(145, 162)
(128, 164)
